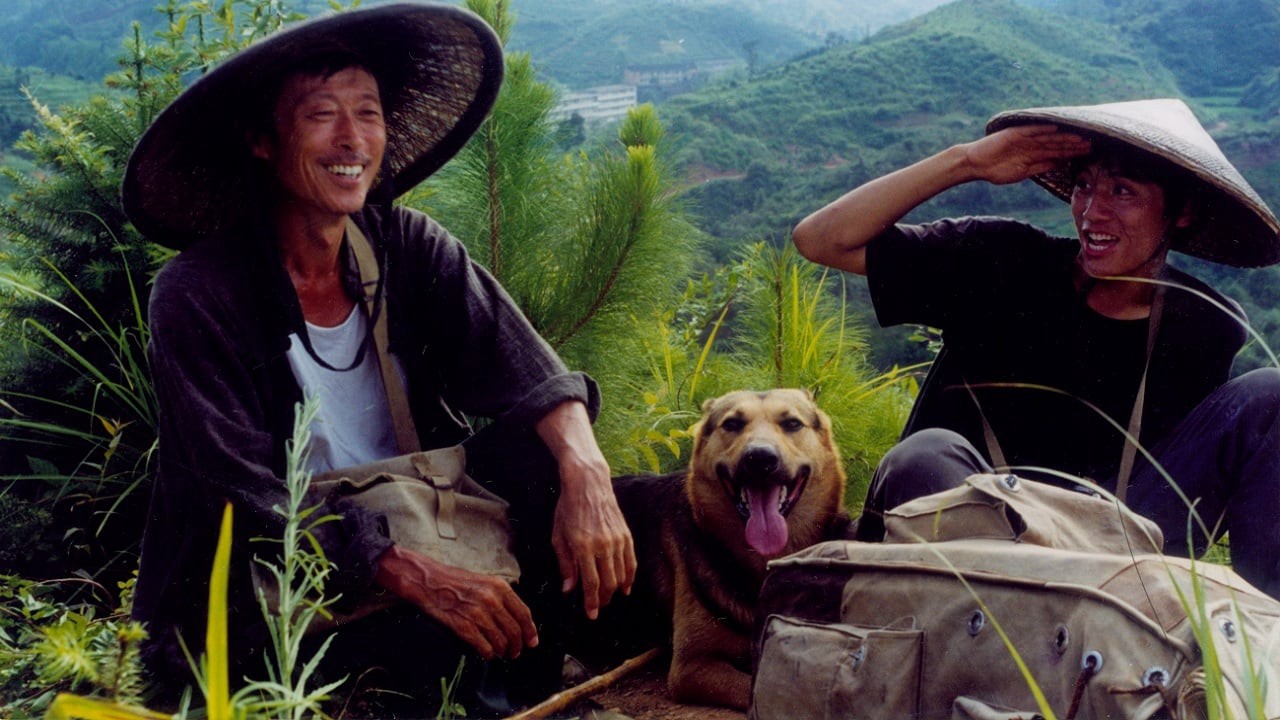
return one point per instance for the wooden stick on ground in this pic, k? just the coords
(565, 698)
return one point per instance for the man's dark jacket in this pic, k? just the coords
(221, 314)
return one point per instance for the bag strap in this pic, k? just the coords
(446, 496)
(998, 461)
(374, 296)
(1130, 451)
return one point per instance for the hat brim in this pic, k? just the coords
(439, 69)
(1235, 228)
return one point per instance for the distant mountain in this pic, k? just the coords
(852, 19)
(575, 42)
(77, 38)
(585, 42)
(1207, 44)
(82, 39)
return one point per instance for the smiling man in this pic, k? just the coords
(1054, 347)
(262, 173)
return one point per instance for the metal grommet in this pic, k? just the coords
(1155, 677)
(1086, 490)
(1228, 628)
(1010, 483)
(977, 621)
(1061, 639)
(857, 656)
(1091, 661)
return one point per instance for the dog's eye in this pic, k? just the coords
(791, 425)
(733, 425)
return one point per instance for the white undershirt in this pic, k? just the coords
(353, 425)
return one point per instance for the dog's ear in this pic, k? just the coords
(815, 417)
(707, 405)
(712, 410)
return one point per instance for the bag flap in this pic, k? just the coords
(1006, 507)
(430, 505)
(446, 462)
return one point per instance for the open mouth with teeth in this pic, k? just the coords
(348, 171)
(764, 501)
(1099, 242)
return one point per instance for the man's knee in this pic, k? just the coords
(923, 463)
(1261, 386)
(1247, 404)
(932, 453)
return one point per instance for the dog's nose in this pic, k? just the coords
(760, 458)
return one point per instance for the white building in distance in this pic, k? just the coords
(596, 105)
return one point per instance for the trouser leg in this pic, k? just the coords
(515, 463)
(923, 463)
(1225, 458)
(394, 662)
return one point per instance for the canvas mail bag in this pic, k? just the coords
(916, 626)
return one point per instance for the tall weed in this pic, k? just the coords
(299, 583)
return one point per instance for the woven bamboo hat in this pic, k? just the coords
(438, 69)
(1236, 227)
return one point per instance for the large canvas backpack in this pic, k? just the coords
(1105, 626)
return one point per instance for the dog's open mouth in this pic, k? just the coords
(764, 502)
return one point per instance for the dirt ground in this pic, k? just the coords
(640, 694)
(643, 695)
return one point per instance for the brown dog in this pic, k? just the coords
(764, 480)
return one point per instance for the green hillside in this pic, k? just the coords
(806, 131)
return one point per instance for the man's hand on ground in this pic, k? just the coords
(482, 610)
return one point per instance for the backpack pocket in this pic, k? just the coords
(826, 670)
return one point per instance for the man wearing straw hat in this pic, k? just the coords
(260, 173)
(1056, 349)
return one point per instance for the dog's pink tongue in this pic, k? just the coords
(766, 528)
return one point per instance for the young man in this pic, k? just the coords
(256, 172)
(1055, 347)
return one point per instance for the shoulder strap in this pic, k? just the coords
(1130, 451)
(374, 296)
(998, 461)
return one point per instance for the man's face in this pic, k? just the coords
(329, 139)
(1122, 223)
